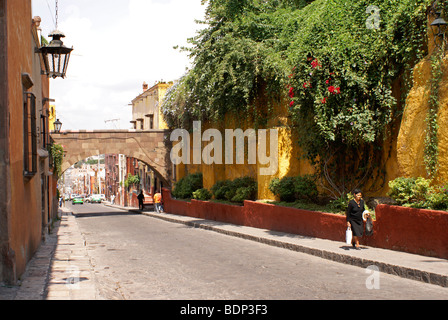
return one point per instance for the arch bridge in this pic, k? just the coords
(150, 146)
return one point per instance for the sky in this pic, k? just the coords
(118, 45)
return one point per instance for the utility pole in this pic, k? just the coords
(99, 175)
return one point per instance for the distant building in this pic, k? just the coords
(146, 114)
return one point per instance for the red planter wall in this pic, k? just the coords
(417, 231)
(412, 230)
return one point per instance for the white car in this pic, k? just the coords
(95, 198)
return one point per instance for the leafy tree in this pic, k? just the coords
(132, 180)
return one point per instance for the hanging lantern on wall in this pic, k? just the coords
(439, 26)
(57, 126)
(55, 55)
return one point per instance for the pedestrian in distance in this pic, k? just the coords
(140, 198)
(354, 215)
(158, 202)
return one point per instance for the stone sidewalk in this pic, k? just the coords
(61, 269)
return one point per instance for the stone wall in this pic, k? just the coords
(151, 147)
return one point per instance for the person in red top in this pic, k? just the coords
(158, 202)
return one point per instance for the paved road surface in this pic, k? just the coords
(140, 257)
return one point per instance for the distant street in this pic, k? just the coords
(140, 257)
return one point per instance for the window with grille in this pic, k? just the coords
(29, 135)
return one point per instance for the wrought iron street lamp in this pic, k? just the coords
(56, 56)
(57, 126)
(438, 27)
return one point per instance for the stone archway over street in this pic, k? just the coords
(152, 147)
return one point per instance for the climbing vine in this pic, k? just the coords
(431, 152)
(57, 154)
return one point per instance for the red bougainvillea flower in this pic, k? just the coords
(327, 81)
(290, 76)
(291, 92)
(338, 90)
(331, 89)
(315, 64)
(324, 100)
(291, 103)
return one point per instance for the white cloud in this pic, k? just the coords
(118, 44)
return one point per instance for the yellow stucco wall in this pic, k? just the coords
(289, 162)
(411, 138)
(413, 128)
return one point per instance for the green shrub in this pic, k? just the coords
(245, 193)
(290, 189)
(341, 203)
(237, 190)
(411, 192)
(220, 188)
(305, 187)
(418, 193)
(202, 194)
(401, 189)
(283, 188)
(438, 200)
(184, 188)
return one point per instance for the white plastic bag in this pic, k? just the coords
(348, 236)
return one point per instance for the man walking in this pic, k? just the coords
(140, 198)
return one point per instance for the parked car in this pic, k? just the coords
(95, 198)
(78, 200)
(103, 197)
